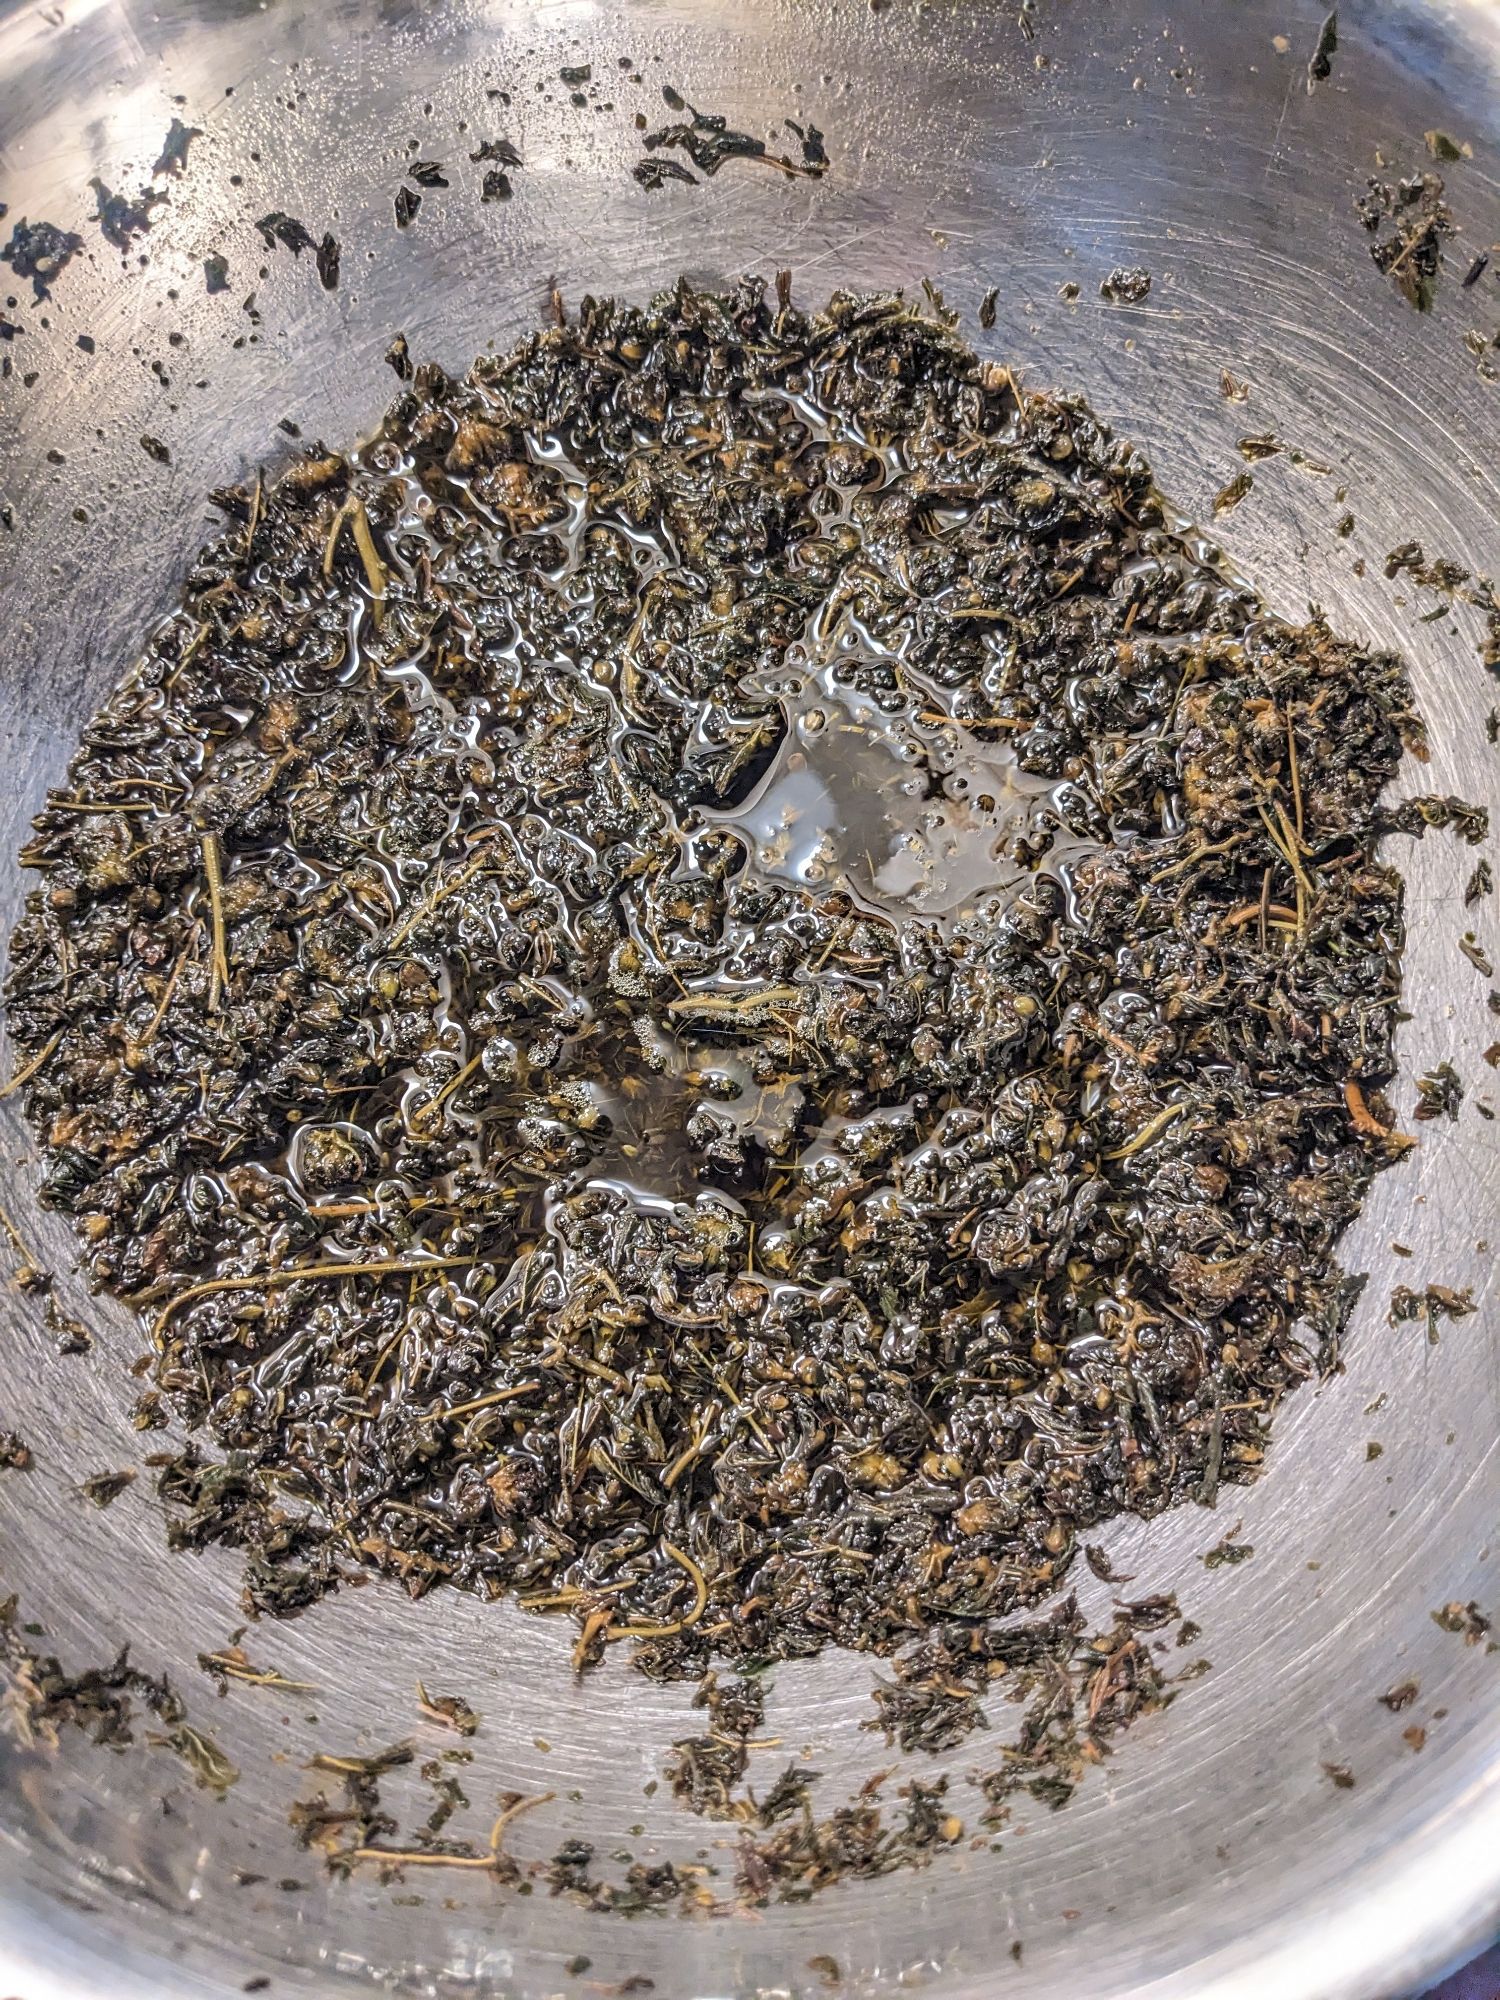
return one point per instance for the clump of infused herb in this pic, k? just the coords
(1411, 224)
(39, 1699)
(41, 252)
(718, 982)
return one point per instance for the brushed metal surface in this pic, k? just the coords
(1212, 1856)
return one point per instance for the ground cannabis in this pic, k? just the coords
(724, 983)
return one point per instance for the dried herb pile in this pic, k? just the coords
(721, 982)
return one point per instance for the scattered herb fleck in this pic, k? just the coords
(1320, 62)
(119, 218)
(1470, 822)
(1433, 1303)
(232, 1663)
(1476, 954)
(1229, 496)
(654, 174)
(1126, 285)
(279, 227)
(327, 258)
(450, 1710)
(173, 157)
(1439, 1093)
(103, 1488)
(211, 1769)
(1467, 1620)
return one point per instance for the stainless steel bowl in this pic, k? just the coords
(1212, 1856)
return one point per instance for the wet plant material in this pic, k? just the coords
(1467, 1620)
(287, 230)
(327, 257)
(356, 1830)
(1477, 956)
(173, 157)
(720, 982)
(1226, 1552)
(1439, 1093)
(703, 1770)
(1444, 812)
(1233, 492)
(233, 1663)
(1079, 1691)
(1433, 1303)
(41, 252)
(785, 1853)
(1411, 224)
(1447, 149)
(1320, 62)
(448, 1711)
(122, 218)
(355, 1819)
(926, 1713)
(1126, 285)
(102, 1489)
(39, 1700)
(709, 142)
(653, 174)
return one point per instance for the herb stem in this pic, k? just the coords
(213, 870)
(689, 1618)
(29, 1070)
(1149, 1131)
(291, 1274)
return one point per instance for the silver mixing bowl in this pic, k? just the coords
(1212, 1856)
